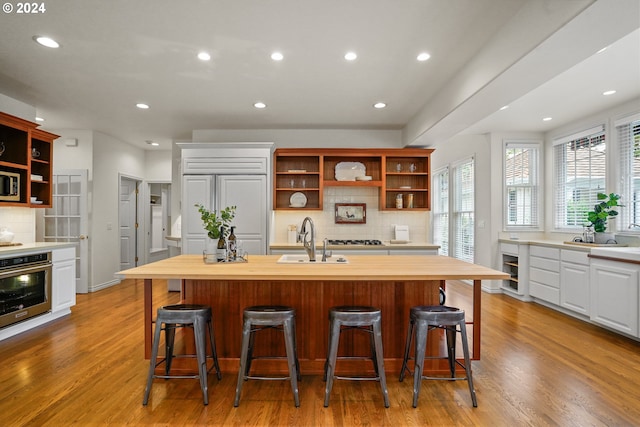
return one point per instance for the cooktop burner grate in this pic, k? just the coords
(354, 242)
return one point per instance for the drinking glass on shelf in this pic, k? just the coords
(304, 183)
(398, 167)
(413, 167)
(292, 183)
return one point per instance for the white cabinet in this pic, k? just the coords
(614, 295)
(515, 261)
(63, 272)
(575, 281)
(544, 273)
(196, 189)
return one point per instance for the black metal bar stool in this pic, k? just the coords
(368, 319)
(261, 317)
(171, 317)
(424, 318)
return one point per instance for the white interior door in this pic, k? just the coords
(128, 222)
(67, 220)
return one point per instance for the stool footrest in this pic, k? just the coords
(254, 377)
(337, 377)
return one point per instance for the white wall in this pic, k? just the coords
(112, 158)
(157, 165)
(315, 138)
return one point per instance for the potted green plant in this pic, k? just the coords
(215, 222)
(602, 211)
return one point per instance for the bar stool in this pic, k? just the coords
(171, 317)
(368, 319)
(261, 317)
(423, 319)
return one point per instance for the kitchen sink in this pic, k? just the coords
(304, 259)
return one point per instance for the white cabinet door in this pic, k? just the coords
(544, 274)
(574, 287)
(196, 189)
(249, 194)
(63, 280)
(614, 295)
(575, 290)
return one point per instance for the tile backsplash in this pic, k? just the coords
(21, 221)
(379, 224)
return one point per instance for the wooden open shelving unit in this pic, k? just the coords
(27, 151)
(394, 171)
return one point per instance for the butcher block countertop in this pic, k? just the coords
(359, 267)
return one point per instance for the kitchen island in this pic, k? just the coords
(394, 284)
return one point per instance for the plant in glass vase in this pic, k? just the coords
(603, 210)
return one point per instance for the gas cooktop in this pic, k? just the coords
(355, 242)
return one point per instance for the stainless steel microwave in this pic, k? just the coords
(9, 186)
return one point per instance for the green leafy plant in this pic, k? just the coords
(603, 210)
(214, 221)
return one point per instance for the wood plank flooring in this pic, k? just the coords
(538, 367)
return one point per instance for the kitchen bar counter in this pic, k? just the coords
(394, 284)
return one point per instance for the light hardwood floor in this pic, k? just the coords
(538, 368)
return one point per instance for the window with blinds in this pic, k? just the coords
(521, 172)
(440, 210)
(579, 163)
(627, 132)
(463, 210)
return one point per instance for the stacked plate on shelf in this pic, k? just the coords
(297, 200)
(350, 171)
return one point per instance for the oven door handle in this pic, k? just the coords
(26, 270)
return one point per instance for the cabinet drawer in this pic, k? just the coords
(545, 252)
(545, 263)
(58, 255)
(544, 292)
(509, 248)
(546, 277)
(577, 257)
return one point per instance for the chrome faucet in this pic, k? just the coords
(634, 225)
(325, 253)
(309, 245)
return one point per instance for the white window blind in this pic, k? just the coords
(579, 175)
(440, 210)
(463, 210)
(628, 138)
(521, 172)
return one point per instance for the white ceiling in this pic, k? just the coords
(117, 53)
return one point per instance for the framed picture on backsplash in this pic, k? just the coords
(351, 213)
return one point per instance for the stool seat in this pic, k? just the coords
(260, 317)
(363, 318)
(424, 318)
(171, 317)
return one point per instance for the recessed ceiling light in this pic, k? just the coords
(350, 56)
(379, 105)
(39, 119)
(142, 106)
(46, 41)
(546, 119)
(504, 107)
(423, 56)
(155, 144)
(608, 92)
(277, 56)
(260, 105)
(602, 50)
(204, 56)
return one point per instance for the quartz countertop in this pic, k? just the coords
(385, 246)
(33, 247)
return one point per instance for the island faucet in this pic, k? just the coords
(309, 245)
(633, 225)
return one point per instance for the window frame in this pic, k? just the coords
(536, 186)
(560, 166)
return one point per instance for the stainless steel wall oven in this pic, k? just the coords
(25, 287)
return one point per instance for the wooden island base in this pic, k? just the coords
(312, 301)
(392, 283)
